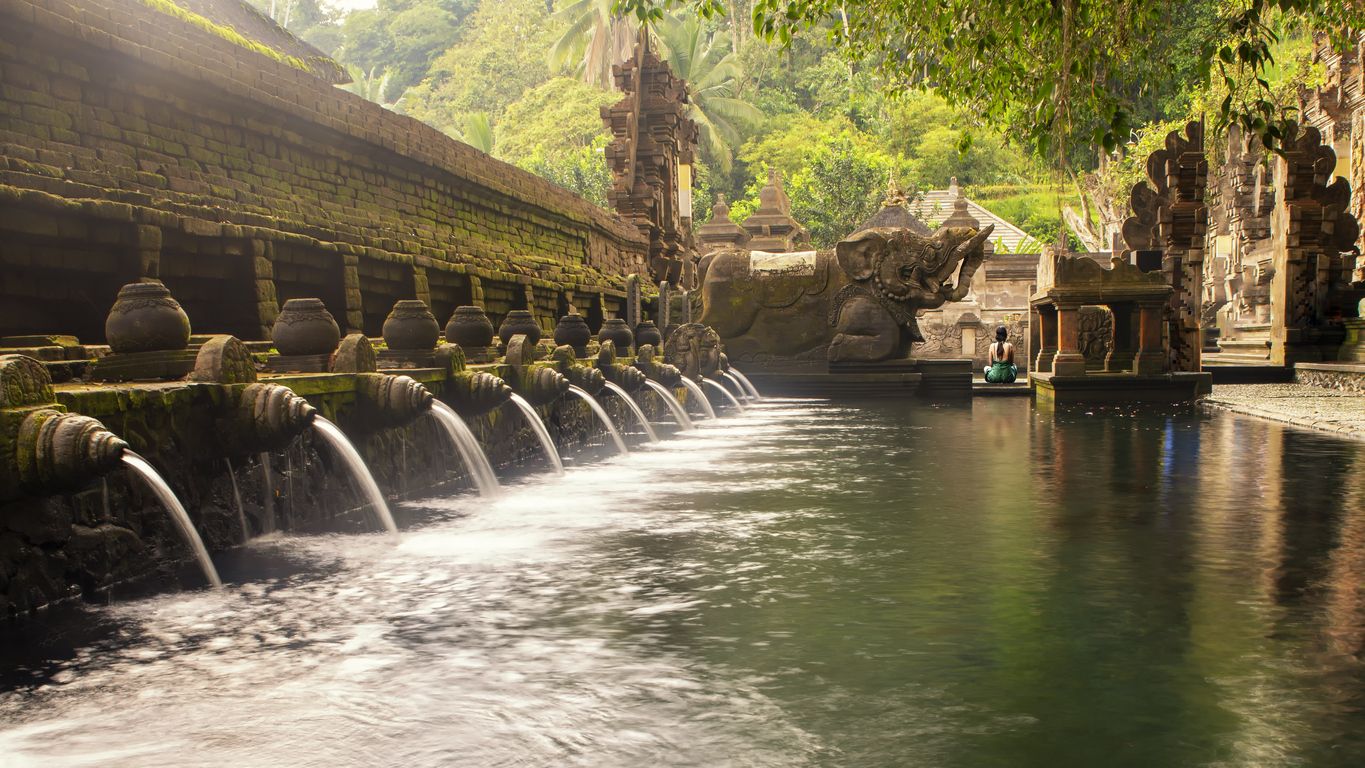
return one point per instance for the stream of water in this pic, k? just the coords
(805, 584)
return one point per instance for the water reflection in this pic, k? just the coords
(805, 584)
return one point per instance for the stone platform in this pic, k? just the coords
(1349, 377)
(1119, 387)
(934, 379)
(1303, 405)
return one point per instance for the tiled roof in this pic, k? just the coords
(934, 206)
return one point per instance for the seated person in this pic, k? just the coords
(1002, 369)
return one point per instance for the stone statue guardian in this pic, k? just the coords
(857, 304)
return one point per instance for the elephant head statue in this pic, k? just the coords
(855, 303)
(893, 274)
(923, 272)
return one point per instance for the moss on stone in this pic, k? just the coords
(227, 33)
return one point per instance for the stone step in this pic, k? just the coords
(1234, 358)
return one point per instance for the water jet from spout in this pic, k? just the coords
(749, 385)
(179, 516)
(671, 401)
(334, 437)
(538, 426)
(475, 461)
(237, 496)
(603, 417)
(739, 388)
(725, 393)
(695, 390)
(635, 409)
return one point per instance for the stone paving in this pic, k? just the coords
(1304, 405)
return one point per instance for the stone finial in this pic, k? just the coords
(720, 232)
(953, 189)
(961, 215)
(895, 196)
(771, 227)
(355, 354)
(224, 360)
(24, 382)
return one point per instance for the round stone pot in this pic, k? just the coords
(648, 333)
(145, 318)
(410, 325)
(573, 330)
(470, 328)
(519, 321)
(616, 331)
(305, 327)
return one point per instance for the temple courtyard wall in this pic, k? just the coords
(134, 144)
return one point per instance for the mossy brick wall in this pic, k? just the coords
(133, 144)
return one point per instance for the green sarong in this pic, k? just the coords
(1001, 372)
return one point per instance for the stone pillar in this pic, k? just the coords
(633, 310)
(1069, 361)
(1151, 356)
(665, 307)
(1353, 346)
(147, 247)
(1045, 319)
(355, 308)
(421, 289)
(1124, 345)
(267, 297)
(476, 290)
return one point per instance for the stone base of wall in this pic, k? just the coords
(112, 537)
(1348, 377)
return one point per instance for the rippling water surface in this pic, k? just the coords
(808, 584)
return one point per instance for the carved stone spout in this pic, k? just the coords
(58, 450)
(541, 385)
(269, 416)
(42, 448)
(566, 362)
(624, 376)
(475, 393)
(665, 374)
(391, 401)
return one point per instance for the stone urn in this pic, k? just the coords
(618, 332)
(469, 327)
(410, 325)
(573, 330)
(145, 318)
(305, 327)
(648, 333)
(519, 321)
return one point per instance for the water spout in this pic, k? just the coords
(634, 408)
(538, 426)
(334, 437)
(695, 390)
(601, 415)
(671, 400)
(725, 393)
(739, 388)
(749, 385)
(268, 497)
(179, 516)
(475, 461)
(237, 496)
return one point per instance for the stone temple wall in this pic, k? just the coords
(133, 144)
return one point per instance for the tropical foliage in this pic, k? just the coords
(1041, 109)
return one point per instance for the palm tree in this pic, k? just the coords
(370, 85)
(476, 131)
(711, 71)
(597, 37)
